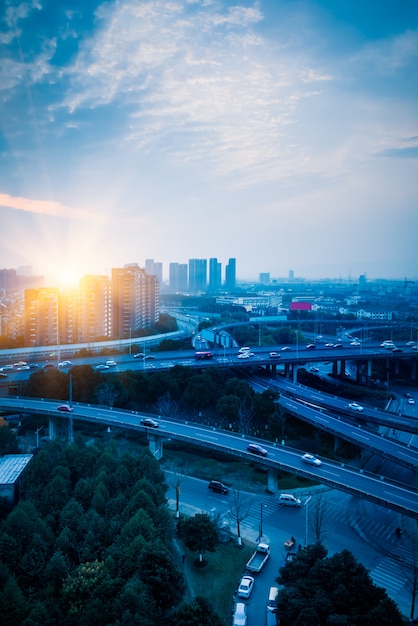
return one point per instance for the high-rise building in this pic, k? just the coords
(230, 276)
(178, 277)
(135, 300)
(153, 268)
(42, 317)
(94, 308)
(215, 275)
(264, 278)
(197, 275)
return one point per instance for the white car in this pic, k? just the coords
(311, 460)
(244, 355)
(354, 406)
(355, 343)
(411, 401)
(111, 363)
(245, 587)
(240, 614)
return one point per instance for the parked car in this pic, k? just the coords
(245, 587)
(218, 487)
(254, 448)
(67, 408)
(240, 614)
(311, 460)
(149, 423)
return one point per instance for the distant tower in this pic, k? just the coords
(178, 277)
(197, 275)
(215, 272)
(291, 274)
(154, 269)
(264, 278)
(230, 276)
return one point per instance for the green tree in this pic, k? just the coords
(198, 612)
(199, 533)
(158, 571)
(320, 590)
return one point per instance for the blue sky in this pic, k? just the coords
(279, 132)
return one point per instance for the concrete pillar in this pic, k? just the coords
(156, 446)
(272, 480)
(52, 428)
(287, 371)
(342, 368)
(369, 371)
(295, 373)
(334, 368)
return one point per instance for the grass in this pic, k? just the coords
(218, 581)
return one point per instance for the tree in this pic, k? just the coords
(320, 590)
(317, 517)
(239, 511)
(199, 533)
(198, 612)
(159, 572)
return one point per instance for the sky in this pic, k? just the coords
(282, 133)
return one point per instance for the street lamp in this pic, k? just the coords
(261, 522)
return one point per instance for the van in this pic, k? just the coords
(287, 499)
(272, 601)
(244, 350)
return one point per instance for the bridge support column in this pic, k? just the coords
(272, 480)
(335, 368)
(369, 372)
(52, 428)
(156, 446)
(295, 374)
(287, 371)
(342, 368)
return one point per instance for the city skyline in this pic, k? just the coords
(281, 134)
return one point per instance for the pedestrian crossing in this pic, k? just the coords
(394, 571)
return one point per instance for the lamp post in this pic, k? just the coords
(37, 435)
(261, 522)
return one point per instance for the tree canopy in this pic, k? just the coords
(332, 591)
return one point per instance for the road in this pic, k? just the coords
(364, 528)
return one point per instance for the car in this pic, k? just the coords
(111, 363)
(410, 343)
(67, 408)
(285, 349)
(311, 460)
(240, 614)
(3, 375)
(48, 366)
(102, 366)
(139, 355)
(338, 345)
(245, 587)
(274, 355)
(218, 487)
(149, 423)
(65, 364)
(329, 345)
(254, 448)
(244, 355)
(311, 346)
(397, 350)
(7, 367)
(314, 370)
(355, 343)
(354, 406)
(23, 367)
(150, 357)
(411, 401)
(20, 364)
(33, 366)
(243, 350)
(319, 337)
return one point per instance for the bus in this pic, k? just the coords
(203, 354)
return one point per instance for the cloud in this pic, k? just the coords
(49, 208)
(204, 80)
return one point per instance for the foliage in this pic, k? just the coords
(332, 590)
(199, 533)
(89, 541)
(198, 612)
(8, 439)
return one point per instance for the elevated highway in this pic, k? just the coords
(401, 498)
